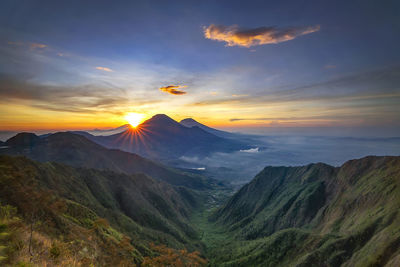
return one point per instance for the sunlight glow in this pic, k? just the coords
(134, 119)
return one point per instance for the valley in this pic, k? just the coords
(65, 194)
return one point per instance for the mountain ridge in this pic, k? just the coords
(190, 122)
(89, 210)
(77, 150)
(315, 215)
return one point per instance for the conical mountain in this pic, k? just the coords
(189, 122)
(163, 138)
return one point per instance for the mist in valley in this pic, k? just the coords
(289, 150)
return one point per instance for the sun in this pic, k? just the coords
(134, 119)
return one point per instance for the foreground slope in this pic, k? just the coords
(77, 150)
(99, 217)
(315, 215)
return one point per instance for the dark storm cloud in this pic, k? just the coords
(234, 36)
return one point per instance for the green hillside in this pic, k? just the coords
(314, 215)
(91, 216)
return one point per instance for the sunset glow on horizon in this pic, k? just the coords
(249, 67)
(134, 119)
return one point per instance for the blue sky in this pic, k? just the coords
(91, 58)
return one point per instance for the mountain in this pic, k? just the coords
(26, 140)
(77, 150)
(314, 215)
(189, 122)
(112, 131)
(162, 138)
(56, 215)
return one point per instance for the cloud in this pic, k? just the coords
(173, 89)
(82, 98)
(250, 150)
(302, 118)
(30, 45)
(375, 86)
(104, 69)
(234, 36)
(15, 43)
(36, 45)
(235, 95)
(330, 66)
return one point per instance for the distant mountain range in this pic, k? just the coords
(189, 122)
(163, 138)
(109, 131)
(315, 215)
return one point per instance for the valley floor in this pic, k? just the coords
(211, 234)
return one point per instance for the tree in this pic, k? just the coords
(172, 257)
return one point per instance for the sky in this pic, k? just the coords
(229, 64)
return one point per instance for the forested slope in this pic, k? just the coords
(56, 213)
(315, 215)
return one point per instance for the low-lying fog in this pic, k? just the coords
(242, 165)
(283, 149)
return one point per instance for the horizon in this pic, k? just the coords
(328, 131)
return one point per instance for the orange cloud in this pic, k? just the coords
(36, 45)
(234, 36)
(104, 69)
(173, 89)
(30, 45)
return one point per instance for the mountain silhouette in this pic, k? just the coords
(23, 140)
(189, 122)
(163, 138)
(109, 131)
